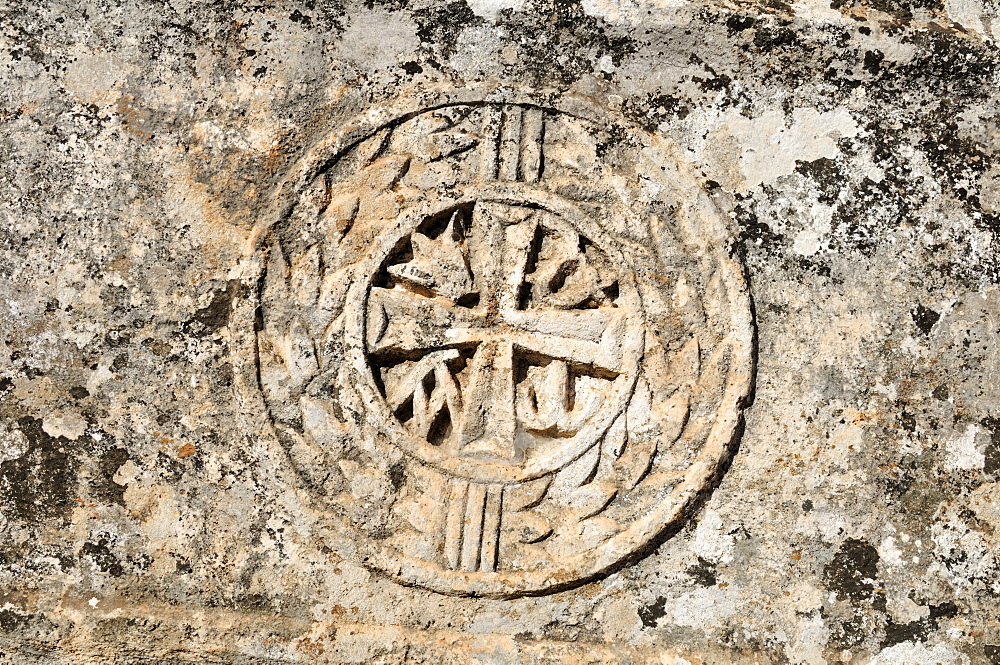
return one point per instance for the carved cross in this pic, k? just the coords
(485, 268)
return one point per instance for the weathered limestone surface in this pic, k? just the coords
(500, 331)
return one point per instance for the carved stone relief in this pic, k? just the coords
(498, 343)
(389, 332)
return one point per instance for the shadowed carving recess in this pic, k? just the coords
(504, 344)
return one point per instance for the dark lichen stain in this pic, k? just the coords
(873, 61)
(559, 42)
(811, 265)
(11, 621)
(828, 176)
(650, 614)
(917, 631)
(298, 17)
(79, 392)
(703, 573)
(253, 602)
(171, 468)
(215, 315)
(753, 230)
(924, 318)
(920, 497)
(852, 576)
(441, 26)
(39, 485)
(397, 475)
(103, 557)
(611, 137)
(908, 421)
(714, 82)
(182, 566)
(653, 109)
(102, 485)
(992, 453)
(895, 485)
(739, 23)
(858, 220)
(853, 571)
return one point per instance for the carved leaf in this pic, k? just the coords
(386, 173)
(429, 482)
(684, 295)
(591, 499)
(275, 288)
(431, 124)
(308, 458)
(275, 379)
(313, 201)
(337, 220)
(443, 145)
(713, 376)
(452, 115)
(299, 354)
(598, 529)
(640, 409)
(662, 479)
(575, 537)
(617, 436)
(333, 351)
(709, 388)
(715, 299)
(377, 322)
(415, 544)
(350, 402)
(333, 290)
(423, 513)
(528, 527)
(321, 425)
(369, 150)
(367, 483)
(577, 473)
(526, 495)
(424, 125)
(672, 416)
(633, 466)
(304, 280)
(686, 363)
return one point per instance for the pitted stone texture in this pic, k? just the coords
(151, 510)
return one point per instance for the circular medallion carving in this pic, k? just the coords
(505, 344)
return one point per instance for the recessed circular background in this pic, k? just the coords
(503, 344)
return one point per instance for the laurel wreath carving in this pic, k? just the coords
(316, 413)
